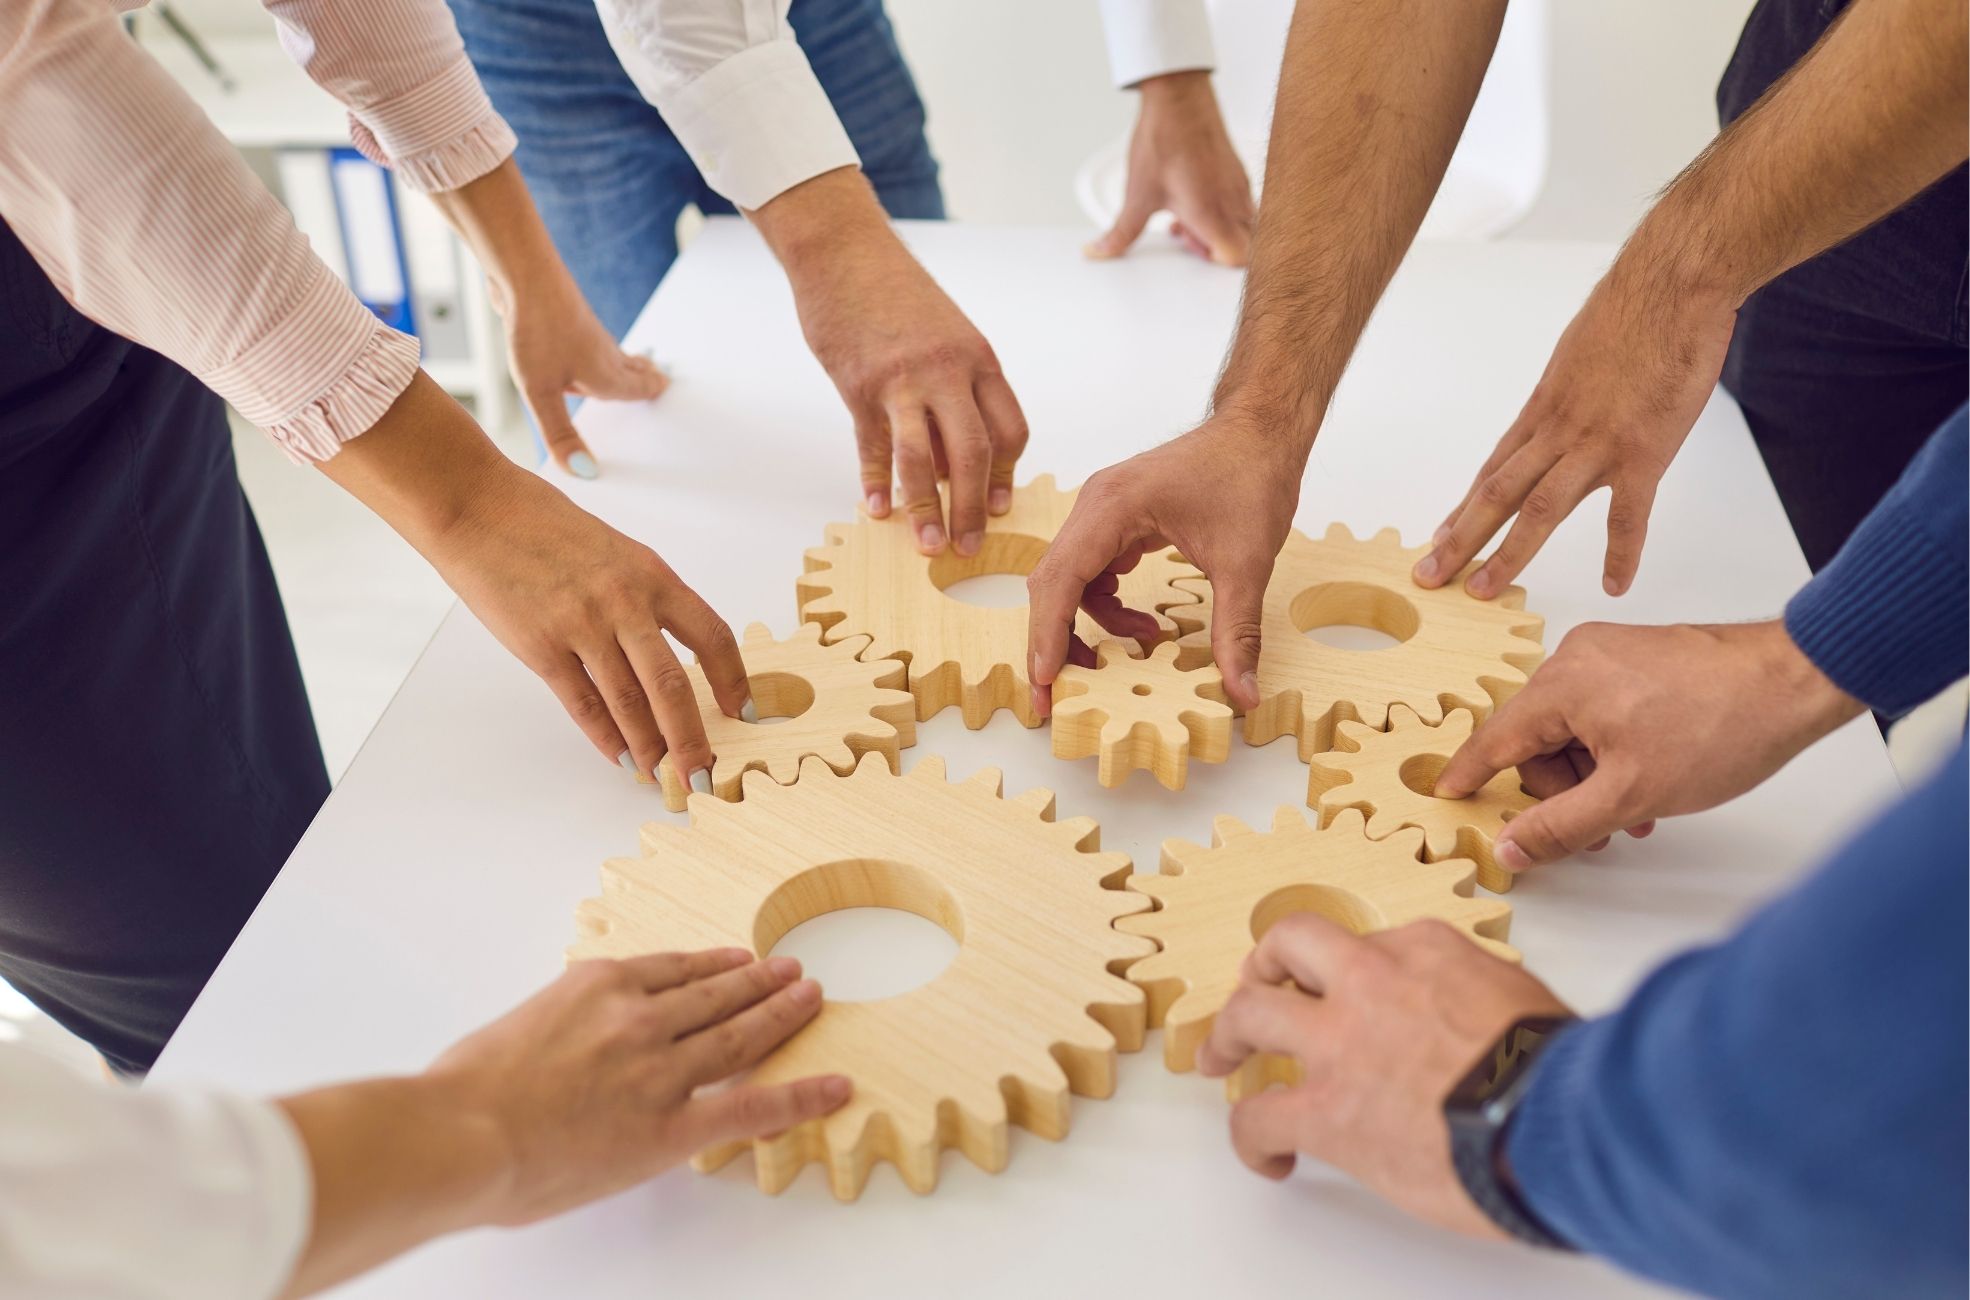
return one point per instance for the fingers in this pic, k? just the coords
(572, 685)
(1531, 723)
(1263, 1132)
(1136, 210)
(1576, 819)
(710, 637)
(743, 1040)
(968, 451)
(1493, 500)
(557, 430)
(622, 690)
(1007, 423)
(1550, 500)
(873, 449)
(623, 378)
(1258, 1018)
(916, 471)
(1237, 617)
(1105, 607)
(1304, 948)
(690, 1007)
(665, 689)
(1627, 530)
(1080, 553)
(741, 1114)
(1226, 239)
(654, 972)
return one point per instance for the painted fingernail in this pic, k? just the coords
(1441, 536)
(701, 780)
(582, 465)
(627, 763)
(999, 501)
(786, 968)
(749, 712)
(1511, 856)
(931, 537)
(970, 542)
(806, 992)
(1426, 568)
(877, 504)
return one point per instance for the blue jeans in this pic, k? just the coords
(610, 178)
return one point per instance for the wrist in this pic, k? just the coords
(1676, 258)
(1191, 87)
(1817, 706)
(475, 1144)
(808, 224)
(1278, 426)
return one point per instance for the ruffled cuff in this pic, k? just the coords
(1148, 38)
(323, 376)
(440, 136)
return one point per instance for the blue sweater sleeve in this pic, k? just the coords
(1889, 619)
(1782, 1114)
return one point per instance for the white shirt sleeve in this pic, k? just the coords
(123, 1194)
(734, 87)
(1147, 38)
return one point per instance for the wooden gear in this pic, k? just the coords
(836, 707)
(1455, 651)
(1141, 713)
(1028, 1010)
(1212, 904)
(1390, 775)
(869, 580)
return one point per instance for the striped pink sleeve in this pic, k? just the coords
(415, 104)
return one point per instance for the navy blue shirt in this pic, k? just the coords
(1783, 1114)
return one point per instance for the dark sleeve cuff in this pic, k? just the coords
(1545, 1161)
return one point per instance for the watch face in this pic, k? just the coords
(1502, 1062)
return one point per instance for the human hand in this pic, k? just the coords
(1627, 724)
(590, 1085)
(556, 348)
(1222, 494)
(1627, 380)
(1383, 1028)
(1181, 159)
(587, 608)
(924, 387)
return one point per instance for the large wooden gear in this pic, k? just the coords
(869, 580)
(1454, 650)
(1141, 713)
(1028, 1010)
(809, 700)
(1390, 776)
(1212, 904)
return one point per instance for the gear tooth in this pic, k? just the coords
(1226, 828)
(1042, 483)
(986, 780)
(1387, 537)
(1401, 716)
(1286, 820)
(929, 769)
(1038, 800)
(1079, 830)
(755, 634)
(1347, 821)
(1338, 532)
(1178, 855)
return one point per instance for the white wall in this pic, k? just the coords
(1018, 94)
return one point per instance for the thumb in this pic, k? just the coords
(1561, 825)
(1127, 229)
(557, 430)
(1228, 241)
(1237, 615)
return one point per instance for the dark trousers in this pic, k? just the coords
(1847, 363)
(157, 757)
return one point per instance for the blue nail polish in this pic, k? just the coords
(582, 465)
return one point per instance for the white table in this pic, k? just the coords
(437, 886)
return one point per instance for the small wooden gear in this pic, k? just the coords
(1390, 776)
(1028, 1010)
(830, 704)
(1212, 904)
(869, 580)
(1454, 650)
(1141, 713)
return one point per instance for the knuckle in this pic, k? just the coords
(629, 699)
(588, 706)
(1539, 506)
(1493, 492)
(669, 679)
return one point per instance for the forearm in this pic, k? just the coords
(396, 1163)
(1873, 115)
(810, 224)
(496, 217)
(1372, 99)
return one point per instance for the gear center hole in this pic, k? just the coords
(866, 928)
(1354, 616)
(776, 697)
(1420, 772)
(1349, 911)
(995, 578)
(1139, 689)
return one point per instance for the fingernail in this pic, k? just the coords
(1000, 500)
(1511, 856)
(1480, 584)
(582, 465)
(877, 504)
(931, 537)
(1611, 585)
(786, 968)
(1441, 536)
(806, 992)
(627, 763)
(701, 780)
(1250, 683)
(1426, 568)
(749, 712)
(970, 542)
(836, 1088)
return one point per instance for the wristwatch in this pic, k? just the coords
(1479, 1108)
